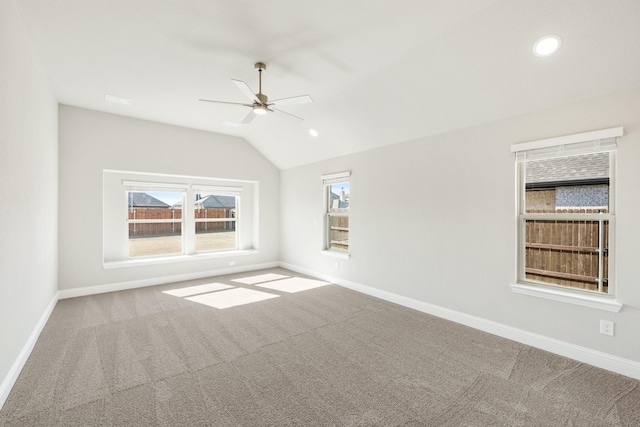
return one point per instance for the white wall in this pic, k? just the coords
(91, 142)
(28, 190)
(434, 220)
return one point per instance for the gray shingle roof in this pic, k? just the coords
(143, 200)
(213, 201)
(582, 167)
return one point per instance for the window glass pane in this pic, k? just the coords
(339, 197)
(149, 235)
(339, 232)
(568, 253)
(215, 226)
(573, 184)
(215, 236)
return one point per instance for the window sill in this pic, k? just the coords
(136, 262)
(593, 301)
(336, 254)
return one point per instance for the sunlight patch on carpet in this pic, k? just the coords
(231, 297)
(293, 285)
(252, 280)
(194, 290)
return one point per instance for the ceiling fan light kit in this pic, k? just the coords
(259, 109)
(260, 104)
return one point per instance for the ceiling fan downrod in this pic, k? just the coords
(260, 67)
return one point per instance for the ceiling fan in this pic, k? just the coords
(260, 103)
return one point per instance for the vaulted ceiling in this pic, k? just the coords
(379, 71)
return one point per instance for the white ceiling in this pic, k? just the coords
(379, 71)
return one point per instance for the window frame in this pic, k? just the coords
(327, 181)
(567, 145)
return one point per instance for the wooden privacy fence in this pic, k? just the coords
(217, 213)
(157, 228)
(568, 252)
(339, 229)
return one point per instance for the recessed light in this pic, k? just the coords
(117, 99)
(313, 132)
(546, 45)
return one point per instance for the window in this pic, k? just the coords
(566, 212)
(156, 218)
(157, 223)
(337, 194)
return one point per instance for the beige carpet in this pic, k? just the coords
(324, 356)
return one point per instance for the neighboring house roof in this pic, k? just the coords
(143, 200)
(336, 203)
(574, 168)
(213, 201)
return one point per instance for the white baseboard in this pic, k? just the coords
(599, 359)
(16, 368)
(120, 286)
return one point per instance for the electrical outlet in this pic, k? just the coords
(337, 265)
(606, 327)
(232, 263)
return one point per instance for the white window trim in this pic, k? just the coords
(568, 139)
(573, 297)
(216, 219)
(139, 186)
(327, 180)
(136, 262)
(218, 190)
(246, 239)
(605, 302)
(334, 178)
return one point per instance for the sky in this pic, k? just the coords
(335, 188)
(169, 197)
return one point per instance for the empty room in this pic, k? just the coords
(336, 213)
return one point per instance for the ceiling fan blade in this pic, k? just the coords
(302, 99)
(225, 102)
(285, 114)
(249, 117)
(244, 88)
